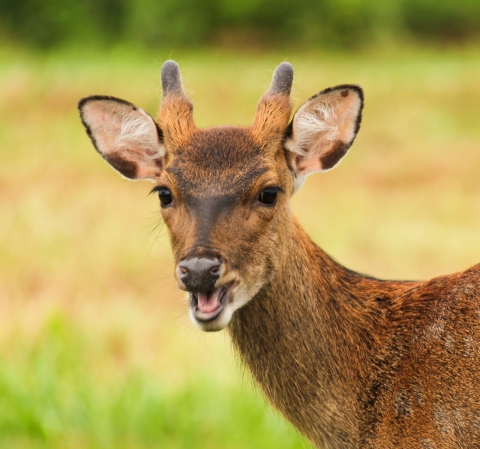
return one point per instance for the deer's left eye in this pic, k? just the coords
(268, 196)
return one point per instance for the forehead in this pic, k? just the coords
(218, 161)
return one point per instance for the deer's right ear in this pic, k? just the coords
(323, 129)
(126, 136)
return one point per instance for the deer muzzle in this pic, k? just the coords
(199, 274)
(211, 287)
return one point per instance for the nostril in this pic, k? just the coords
(183, 270)
(215, 270)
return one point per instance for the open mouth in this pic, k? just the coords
(207, 306)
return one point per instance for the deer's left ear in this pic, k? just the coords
(324, 128)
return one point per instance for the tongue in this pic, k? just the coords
(208, 302)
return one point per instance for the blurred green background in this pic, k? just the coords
(259, 23)
(96, 348)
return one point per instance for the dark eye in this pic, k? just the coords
(268, 196)
(165, 196)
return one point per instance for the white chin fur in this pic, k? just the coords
(241, 296)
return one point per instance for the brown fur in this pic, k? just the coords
(271, 119)
(355, 362)
(352, 361)
(175, 118)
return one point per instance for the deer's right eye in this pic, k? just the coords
(165, 196)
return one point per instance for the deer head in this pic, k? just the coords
(224, 191)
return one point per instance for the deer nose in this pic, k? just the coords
(199, 274)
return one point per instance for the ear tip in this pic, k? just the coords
(359, 90)
(99, 100)
(84, 100)
(355, 88)
(344, 90)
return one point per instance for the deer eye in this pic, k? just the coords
(268, 196)
(165, 195)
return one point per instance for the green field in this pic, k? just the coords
(96, 348)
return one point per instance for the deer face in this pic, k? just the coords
(224, 201)
(224, 191)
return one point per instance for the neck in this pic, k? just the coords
(309, 337)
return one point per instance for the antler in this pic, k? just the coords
(282, 80)
(175, 116)
(171, 82)
(274, 108)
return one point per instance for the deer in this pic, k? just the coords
(350, 360)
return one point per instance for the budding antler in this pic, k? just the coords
(274, 108)
(175, 116)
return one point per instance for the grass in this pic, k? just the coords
(96, 349)
(53, 396)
